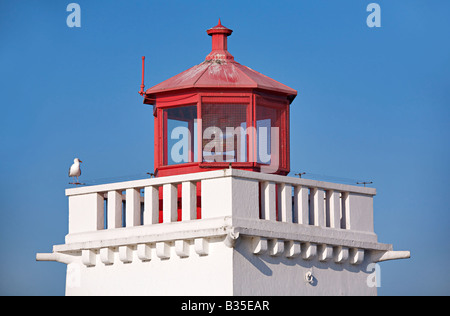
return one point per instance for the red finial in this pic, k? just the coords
(219, 35)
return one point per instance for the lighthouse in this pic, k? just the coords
(221, 216)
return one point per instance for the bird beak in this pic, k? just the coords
(80, 161)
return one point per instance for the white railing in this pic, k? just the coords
(224, 193)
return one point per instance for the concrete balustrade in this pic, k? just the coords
(284, 216)
(227, 192)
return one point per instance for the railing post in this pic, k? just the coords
(114, 209)
(216, 197)
(151, 205)
(86, 213)
(170, 200)
(360, 212)
(345, 204)
(301, 209)
(286, 202)
(268, 201)
(133, 207)
(230, 196)
(316, 209)
(333, 211)
(189, 201)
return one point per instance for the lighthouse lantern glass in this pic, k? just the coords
(224, 128)
(180, 135)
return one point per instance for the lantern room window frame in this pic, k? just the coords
(251, 99)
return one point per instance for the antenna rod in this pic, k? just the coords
(370, 182)
(142, 85)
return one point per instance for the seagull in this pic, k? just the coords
(75, 170)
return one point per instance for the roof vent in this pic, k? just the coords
(219, 35)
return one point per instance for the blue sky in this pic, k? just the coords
(373, 104)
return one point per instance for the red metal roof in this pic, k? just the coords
(219, 70)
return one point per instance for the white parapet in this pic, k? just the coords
(258, 234)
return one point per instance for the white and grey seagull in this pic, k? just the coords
(75, 170)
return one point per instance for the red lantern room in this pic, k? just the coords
(220, 113)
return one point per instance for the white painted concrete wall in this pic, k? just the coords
(267, 274)
(224, 271)
(203, 275)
